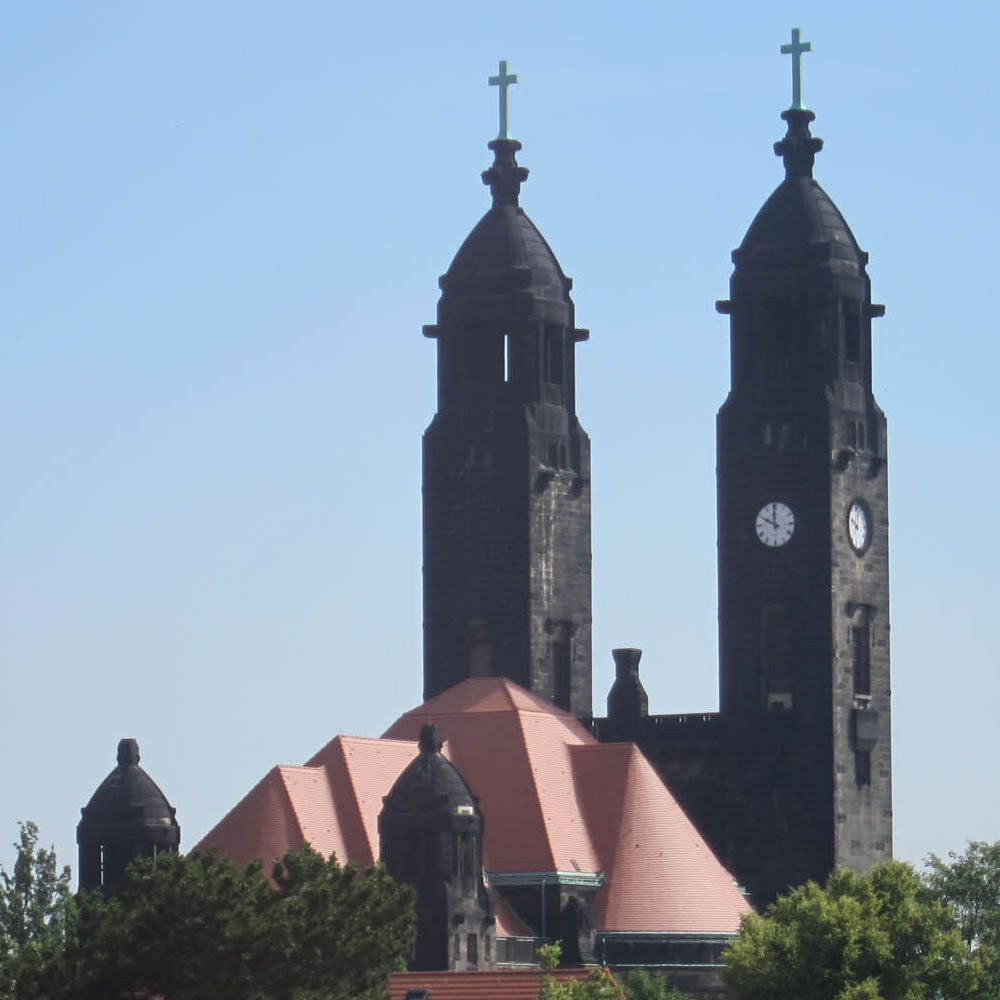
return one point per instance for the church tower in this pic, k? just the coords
(803, 542)
(506, 464)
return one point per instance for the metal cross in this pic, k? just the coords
(795, 50)
(503, 81)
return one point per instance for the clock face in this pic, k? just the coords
(775, 523)
(858, 527)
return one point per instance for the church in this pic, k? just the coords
(519, 815)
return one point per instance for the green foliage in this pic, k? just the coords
(877, 936)
(192, 927)
(35, 909)
(969, 883)
(641, 984)
(597, 986)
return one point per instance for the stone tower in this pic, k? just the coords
(803, 545)
(126, 817)
(431, 833)
(506, 465)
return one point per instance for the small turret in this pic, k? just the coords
(126, 817)
(431, 831)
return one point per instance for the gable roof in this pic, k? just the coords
(505, 984)
(553, 799)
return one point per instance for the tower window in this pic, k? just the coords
(852, 339)
(480, 648)
(554, 338)
(562, 665)
(861, 659)
(772, 334)
(863, 767)
(508, 369)
(484, 353)
(472, 949)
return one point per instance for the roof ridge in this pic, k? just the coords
(536, 793)
(349, 803)
(299, 822)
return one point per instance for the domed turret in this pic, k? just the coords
(431, 831)
(799, 216)
(506, 462)
(505, 254)
(127, 816)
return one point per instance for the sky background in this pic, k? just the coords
(221, 228)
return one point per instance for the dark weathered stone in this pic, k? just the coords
(507, 465)
(126, 817)
(793, 777)
(431, 834)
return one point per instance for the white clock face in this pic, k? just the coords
(857, 525)
(775, 523)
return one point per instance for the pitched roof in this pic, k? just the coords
(553, 799)
(505, 984)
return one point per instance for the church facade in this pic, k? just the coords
(502, 797)
(791, 778)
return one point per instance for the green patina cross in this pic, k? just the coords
(795, 50)
(503, 81)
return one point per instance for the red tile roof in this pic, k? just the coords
(512, 984)
(553, 800)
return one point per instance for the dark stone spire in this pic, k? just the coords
(798, 148)
(506, 176)
(506, 470)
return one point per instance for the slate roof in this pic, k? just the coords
(553, 798)
(504, 245)
(128, 796)
(800, 213)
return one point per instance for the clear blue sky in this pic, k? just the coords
(221, 228)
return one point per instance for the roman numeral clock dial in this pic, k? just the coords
(775, 524)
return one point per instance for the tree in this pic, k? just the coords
(877, 936)
(197, 926)
(597, 986)
(35, 909)
(641, 984)
(969, 883)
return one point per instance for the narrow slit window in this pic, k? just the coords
(506, 357)
(852, 340)
(861, 656)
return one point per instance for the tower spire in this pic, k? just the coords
(506, 176)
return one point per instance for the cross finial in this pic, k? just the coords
(503, 80)
(795, 50)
